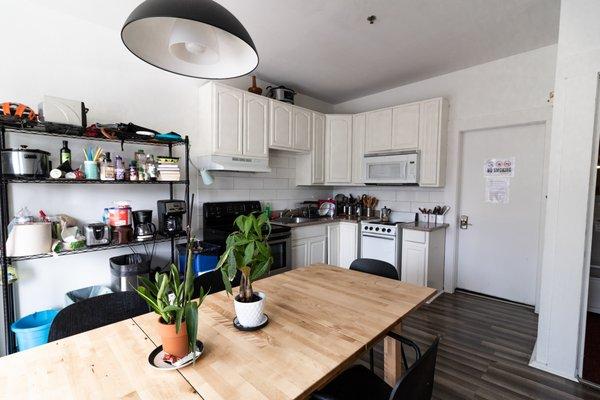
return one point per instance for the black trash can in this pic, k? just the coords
(125, 271)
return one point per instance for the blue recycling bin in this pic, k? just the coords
(204, 260)
(33, 329)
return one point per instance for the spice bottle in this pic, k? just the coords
(107, 169)
(119, 169)
(133, 172)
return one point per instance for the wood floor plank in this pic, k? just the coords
(484, 352)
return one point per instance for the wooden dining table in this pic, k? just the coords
(321, 319)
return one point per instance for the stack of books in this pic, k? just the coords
(168, 169)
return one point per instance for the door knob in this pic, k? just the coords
(464, 222)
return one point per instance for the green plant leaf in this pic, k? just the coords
(262, 269)
(189, 277)
(191, 321)
(249, 253)
(231, 268)
(248, 224)
(178, 319)
(226, 281)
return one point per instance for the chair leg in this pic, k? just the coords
(372, 360)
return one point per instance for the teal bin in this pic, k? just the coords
(33, 329)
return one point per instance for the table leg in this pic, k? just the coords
(392, 358)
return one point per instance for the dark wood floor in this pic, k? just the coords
(484, 351)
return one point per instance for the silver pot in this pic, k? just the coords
(25, 162)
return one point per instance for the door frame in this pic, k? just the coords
(536, 116)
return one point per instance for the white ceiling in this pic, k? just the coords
(327, 49)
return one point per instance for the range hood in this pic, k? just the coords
(233, 163)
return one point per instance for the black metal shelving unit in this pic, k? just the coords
(8, 299)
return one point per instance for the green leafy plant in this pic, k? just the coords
(248, 252)
(171, 298)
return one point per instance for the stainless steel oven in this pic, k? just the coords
(281, 249)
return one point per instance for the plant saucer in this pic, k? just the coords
(155, 358)
(263, 323)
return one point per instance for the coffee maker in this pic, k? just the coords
(170, 217)
(143, 227)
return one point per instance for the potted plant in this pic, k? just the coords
(247, 251)
(171, 298)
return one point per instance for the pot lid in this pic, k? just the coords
(25, 149)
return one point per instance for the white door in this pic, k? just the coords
(339, 148)
(281, 134)
(299, 253)
(318, 150)
(256, 126)
(498, 252)
(228, 111)
(317, 248)
(333, 249)
(358, 147)
(405, 127)
(379, 131)
(348, 244)
(301, 126)
(414, 261)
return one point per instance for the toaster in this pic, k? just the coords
(97, 234)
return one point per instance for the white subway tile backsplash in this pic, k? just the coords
(405, 195)
(421, 195)
(286, 173)
(275, 183)
(248, 183)
(262, 194)
(279, 162)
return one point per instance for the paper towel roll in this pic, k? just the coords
(29, 239)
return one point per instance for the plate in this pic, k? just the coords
(155, 358)
(263, 323)
(325, 208)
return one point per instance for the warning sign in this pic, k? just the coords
(499, 168)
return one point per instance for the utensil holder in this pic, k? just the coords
(90, 170)
(439, 219)
(369, 212)
(424, 218)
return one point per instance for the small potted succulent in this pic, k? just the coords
(171, 298)
(247, 251)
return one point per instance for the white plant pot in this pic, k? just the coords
(250, 315)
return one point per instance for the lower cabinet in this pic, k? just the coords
(309, 245)
(423, 257)
(333, 237)
(343, 243)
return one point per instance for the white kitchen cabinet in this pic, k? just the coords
(359, 125)
(338, 149)
(378, 131)
(302, 128)
(282, 122)
(405, 127)
(317, 250)
(310, 168)
(423, 257)
(432, 142)
(309, 245)
(348, 244)
(232, 122)
(256, 125)
(333, 244)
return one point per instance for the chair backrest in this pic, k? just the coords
(417, 382)
(375, 267)
(95, 312)
(212, 282)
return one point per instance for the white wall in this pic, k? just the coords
(66, 56)
(495, 90)
(574, 144)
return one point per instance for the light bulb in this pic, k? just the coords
(194, 42)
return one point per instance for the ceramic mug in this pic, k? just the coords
(90, 169)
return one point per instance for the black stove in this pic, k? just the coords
(219, 221)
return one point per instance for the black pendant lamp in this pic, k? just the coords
(197, 38)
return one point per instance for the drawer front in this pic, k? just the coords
(302, 232)
(414, 236)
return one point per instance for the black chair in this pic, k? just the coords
(212, 282)
(375, 267)
(379, 268)
(95, 312)
(358, 383)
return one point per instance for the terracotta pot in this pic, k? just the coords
(174, 343)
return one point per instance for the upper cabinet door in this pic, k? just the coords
(228, 121)
(256, 126)
(379, 131)
(318, 150)
(281, 125)
(405, 127)
(302, 128)
(339, 148)
(358, 147)
(432, 142)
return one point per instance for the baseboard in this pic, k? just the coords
(543, 367)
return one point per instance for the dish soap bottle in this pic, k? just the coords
(65, 153)
(107, 169)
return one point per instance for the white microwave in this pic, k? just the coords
(391, 169)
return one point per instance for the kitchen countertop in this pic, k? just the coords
(324, 220)
(423, 226)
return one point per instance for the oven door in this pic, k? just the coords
(379, 247)
(281, 249)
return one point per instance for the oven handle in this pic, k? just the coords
(379, 237)
(278, 241)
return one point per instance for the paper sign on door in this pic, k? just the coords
(499, 167)
(497, 190)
